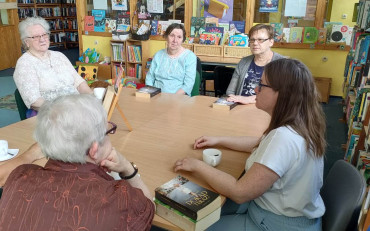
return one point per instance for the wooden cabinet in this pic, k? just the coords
(61, 16)
(323, 86)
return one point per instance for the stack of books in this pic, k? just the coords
(187, 205)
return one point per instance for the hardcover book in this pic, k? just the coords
(190, 199)
(321, 40)
(147, 92)
(310, 35)
(184, 222)
(110, 25)
(278, 31)
(341, 34)
(223, 104)
(237, 27)
(197, 26)
(239, 40)
(286, 34)
(296, 35)
(211, 21)
(89, 23)
(99, 23)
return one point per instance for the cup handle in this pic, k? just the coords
(214, 162)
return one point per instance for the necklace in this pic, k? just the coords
(42, 60)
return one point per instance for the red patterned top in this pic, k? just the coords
(70, 196)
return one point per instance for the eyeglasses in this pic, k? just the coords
(258, 40)
(112, 129)
(260, 85)
(38, 37)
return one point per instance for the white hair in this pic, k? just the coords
(31, 21)
(67, 126)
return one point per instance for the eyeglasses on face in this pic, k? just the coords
(112, 128)
(38, 37)
(258, 40)
(260, 85)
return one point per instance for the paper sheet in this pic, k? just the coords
(100, 4)
(295, 8)
(155, 6)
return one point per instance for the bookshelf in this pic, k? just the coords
(118, 56)
(61, 16)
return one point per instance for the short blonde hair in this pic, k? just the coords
(31, 21)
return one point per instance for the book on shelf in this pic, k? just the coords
(89, 23)
(321, 39)
(177, 218)
(237, 27)
(147, 92)
(223, 104)
(295, 35)
(286, 35)
(211, 21)
(197, 26)
(189, 198)
(278, 31)
(310, 35)
(110, 24)
(99, 20)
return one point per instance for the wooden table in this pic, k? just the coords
(164, 130)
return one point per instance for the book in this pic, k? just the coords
(211, 21)
(189, 198)
(310, 35)
(295, 35)
(341, 34)
(147, 92)
(286, 34)
(154, 27)
(240, 40)
(223, 104)
(110, 24)
(329, 27)
(321, 40)
(237, 27)
(99, 20)
(197, 26)
(184, 222)
(89, 23)
(278, 31)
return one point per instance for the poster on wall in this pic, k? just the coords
(119, 5)
(221, 9)
(155, 6)
(269, 5)
(100, 4)
(295, 8)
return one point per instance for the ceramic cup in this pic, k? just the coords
(212, 156)
(3, 147)
(99, 92)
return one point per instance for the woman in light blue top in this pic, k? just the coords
(173, 69)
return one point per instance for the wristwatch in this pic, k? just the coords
(132, 175)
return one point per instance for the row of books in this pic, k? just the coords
(363, 19)
(49, 12)
(333, 32)
(118, 50)
(158, 27)
(58, 37)
(135, 71)
(26, 12)
(199, 24)
(72, 36)
(134, 53)
(69, 11)
(187, 204)
(47, 1)
(59, 24)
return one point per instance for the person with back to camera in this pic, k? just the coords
(41, 74)
(280, 189)
(73, 191)
(173, 69)
(249, 70)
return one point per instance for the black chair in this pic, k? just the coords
(343, 192)
(198, 79)
(22, 108)
(222, 76)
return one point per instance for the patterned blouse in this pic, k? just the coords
(45, 78)
(70, 196)
(171, 74)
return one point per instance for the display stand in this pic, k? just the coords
(114, 104)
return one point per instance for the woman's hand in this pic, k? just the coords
(116, 162)
(187, 164)
(206, 141)
(242, 99)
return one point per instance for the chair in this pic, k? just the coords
(343, 192)
(222, 76)
(22, 108)
(198, 79)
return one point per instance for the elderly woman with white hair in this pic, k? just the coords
(41, 74)
(73, 191)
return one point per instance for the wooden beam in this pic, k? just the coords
(81, 13)
(249, 15)
(320, 13)
(8, 5)
(188, 15)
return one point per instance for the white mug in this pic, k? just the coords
(3, 147)
(212, 156)
(99, 92)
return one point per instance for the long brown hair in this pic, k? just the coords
(298, 102)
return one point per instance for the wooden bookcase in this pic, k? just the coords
(61, 16)
(129, 63)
